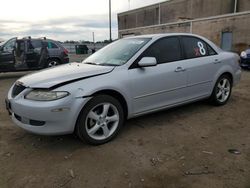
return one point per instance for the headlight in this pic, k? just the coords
(243, 54)
(45, 95)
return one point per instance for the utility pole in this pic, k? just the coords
(94, 39)
(110, 33)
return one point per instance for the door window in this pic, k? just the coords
(195, 47)
(165, 50)
(35, 44)
(9, 46)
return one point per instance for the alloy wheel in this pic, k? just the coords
(102, 121)
(223, 90)
(52, 64)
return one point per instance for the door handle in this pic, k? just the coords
(180, 69)
(216, 61)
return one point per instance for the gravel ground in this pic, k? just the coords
(185, 147)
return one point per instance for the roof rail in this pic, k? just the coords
(44, 38)
(28, 37)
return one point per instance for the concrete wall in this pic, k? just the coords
(174, 10)
(184, 27)
(207, 8)
(210, 28)
(169, 13)
(238, 25)
(244, 5)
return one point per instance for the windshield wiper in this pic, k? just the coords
(90, 63)
(101, 64)
(108, 64)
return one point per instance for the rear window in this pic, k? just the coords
(52, 45)
(35, 44)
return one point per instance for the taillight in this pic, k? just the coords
(65, 51)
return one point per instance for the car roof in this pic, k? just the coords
(156, 36)
(43, 39)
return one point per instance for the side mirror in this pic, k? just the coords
(147, 62)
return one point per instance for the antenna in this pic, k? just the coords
(129, 4)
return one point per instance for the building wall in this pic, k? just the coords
(244, 5)
(238, 25)
(207, 8)
(209, 28)
(169, 13)
(209, 18)
(174, 10)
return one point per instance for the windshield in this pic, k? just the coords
(117, 53)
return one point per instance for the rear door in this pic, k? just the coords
(162, 85)
(34, 47)
(7, 59)
(202, 63)
(53, 49)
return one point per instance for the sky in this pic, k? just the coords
(63, 20)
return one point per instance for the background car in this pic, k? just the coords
(245, 59)
(31, 54)
(128, 78)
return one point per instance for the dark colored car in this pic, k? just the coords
(31, 54)
(245, 59)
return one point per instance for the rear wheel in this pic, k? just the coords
(222, 90)
(53, 62)
(100, 120)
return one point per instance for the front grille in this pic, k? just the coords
(17, 89)
(37, 123)
(29, 121)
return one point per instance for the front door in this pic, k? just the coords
(33, 53)
(7, 59)
(159, 86)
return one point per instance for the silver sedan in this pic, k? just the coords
(128, 78)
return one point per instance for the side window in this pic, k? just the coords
(52, 45)
(35, 44)
(165, 50)
(194, 47)
(211, 50)
(9, 46)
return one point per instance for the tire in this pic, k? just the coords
(222, 91)
(100, 120)
(52, 63)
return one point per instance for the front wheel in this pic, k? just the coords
(100, 120)
(222, 91)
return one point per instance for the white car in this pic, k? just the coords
(126, 79)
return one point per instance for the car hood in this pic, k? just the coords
(63, 74)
